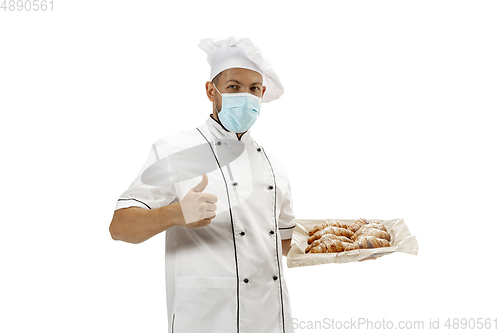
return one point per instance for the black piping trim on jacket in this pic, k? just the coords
(173, 320)
(288, 227)
(276, 227)
(135, 200)
(234, 240)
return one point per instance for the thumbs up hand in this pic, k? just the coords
(198, 208)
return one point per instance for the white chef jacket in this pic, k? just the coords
(226, 277)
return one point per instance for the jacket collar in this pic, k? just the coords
(220, 132)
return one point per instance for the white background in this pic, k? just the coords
(390, 110)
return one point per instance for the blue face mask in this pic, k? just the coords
(239, 111)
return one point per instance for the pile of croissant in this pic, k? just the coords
(335, 236)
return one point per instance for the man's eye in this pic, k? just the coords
(255, 88)
(232, 86)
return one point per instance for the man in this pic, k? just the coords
(226, 233)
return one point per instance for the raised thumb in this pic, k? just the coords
(201, 185)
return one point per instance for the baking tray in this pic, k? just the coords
(401, 241)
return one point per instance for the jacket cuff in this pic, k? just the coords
(286, 232)
(131, 202)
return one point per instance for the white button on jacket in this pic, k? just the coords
(226, 277)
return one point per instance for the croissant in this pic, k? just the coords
(372, 232)
(329, 246)
(330, 230)
(327, 223)
(326, 237)
(372, 225)
(356, 225)
(367, 242)
(377, 225)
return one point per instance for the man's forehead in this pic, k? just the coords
(238, 82)
(241, 75)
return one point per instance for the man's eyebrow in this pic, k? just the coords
(253, 84)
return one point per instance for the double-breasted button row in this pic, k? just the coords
(270, 187)
(247, 280)
(270, 233)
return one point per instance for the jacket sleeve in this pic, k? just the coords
(286, 221)
(145, 196)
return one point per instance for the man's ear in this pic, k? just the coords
(209, 87)
(263, 90)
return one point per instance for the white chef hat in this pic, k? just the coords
(234, 52)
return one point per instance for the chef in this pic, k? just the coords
(229, 218)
